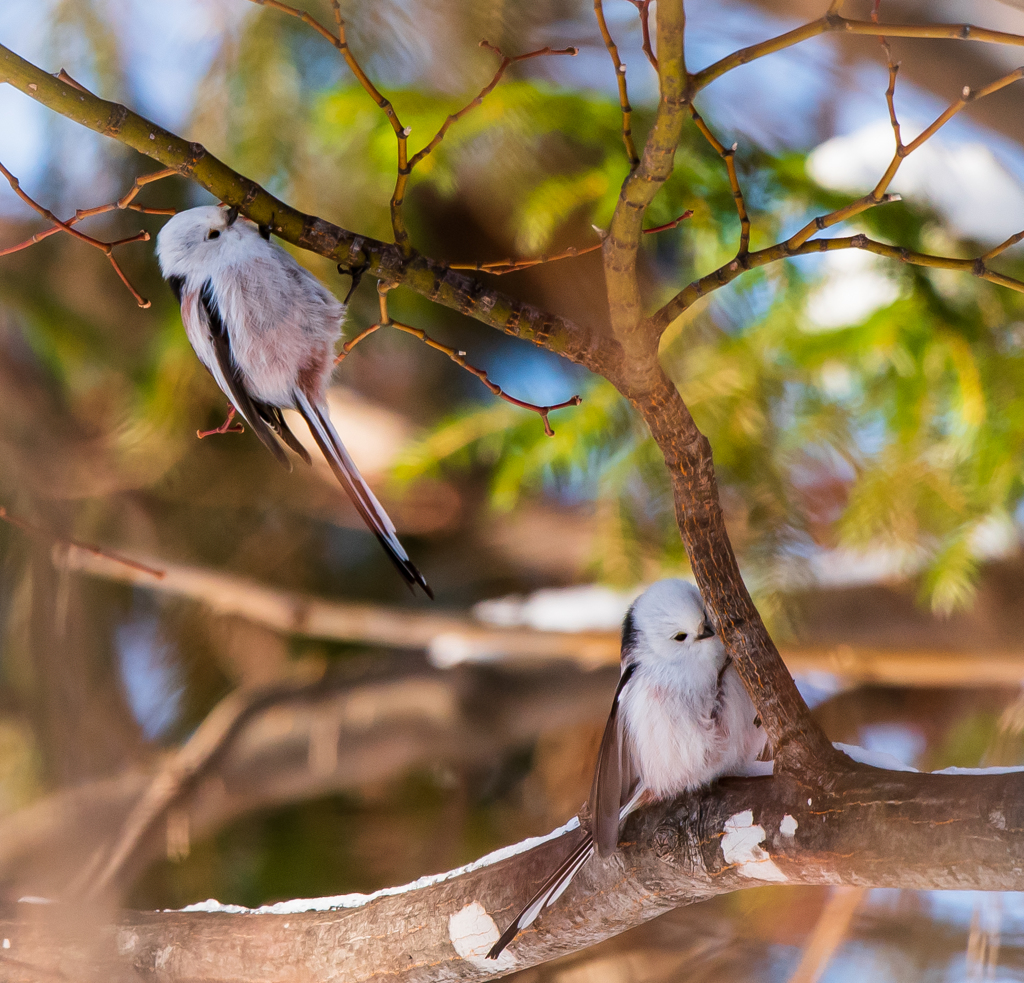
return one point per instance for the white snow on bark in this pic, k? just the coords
(299, 905)
(473, 932)
(741, 847)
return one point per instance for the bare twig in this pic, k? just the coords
(34, 530)
(402, 133)
(1002, 247)
(513, 265)
(340, 41)
(620, 78)
(878, 194)
(643, 8)
(729, 156)
(398, 198)
(107, 248)
(126, 202)
(638, 190)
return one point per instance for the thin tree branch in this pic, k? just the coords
(781, 251)
(729, 156)
(877, 195)
(107, 248)
(501, 267)
(340, 41)
(84, 213)
(402, 133)
(620, 78)
(96, 551)
(833, 23)
(458, 357)
(643, 9)
(478, 99)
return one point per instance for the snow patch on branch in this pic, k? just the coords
(299, 905)
(741, 847)
(877, 759)
(473, 932)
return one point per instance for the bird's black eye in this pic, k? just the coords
(213, 234)
(679, 636)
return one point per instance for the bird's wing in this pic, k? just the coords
(616, 779)
(253, 412)
(345, 470)
(550, 892)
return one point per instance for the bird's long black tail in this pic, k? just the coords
(549, 893)
(345, 470)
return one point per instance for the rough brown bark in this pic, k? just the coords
(940, 832)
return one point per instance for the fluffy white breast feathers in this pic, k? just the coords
(266, 329)
(680, 718)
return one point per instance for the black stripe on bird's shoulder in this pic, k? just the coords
(217, 328)
(253, 412)
(177, 284)
(627, 673)
(630, 633)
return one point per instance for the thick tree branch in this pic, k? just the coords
(638, 191)
(579, 343)
(798, 742)
(939, 832)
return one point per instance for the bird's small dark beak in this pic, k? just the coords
(706, 632)
(232, 215)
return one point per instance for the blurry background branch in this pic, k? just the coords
(453, 638)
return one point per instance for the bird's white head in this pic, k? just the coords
(195, 242)
(668, 622)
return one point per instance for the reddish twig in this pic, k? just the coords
(33, 530)
(501, 267)
(620, 78)
(107, 248)
(351, 343)
(458, 357)
(226, 427)
(643, 8)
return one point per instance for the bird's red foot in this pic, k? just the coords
(226, 427)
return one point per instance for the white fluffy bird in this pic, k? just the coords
(680, 719)
(266, 329)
